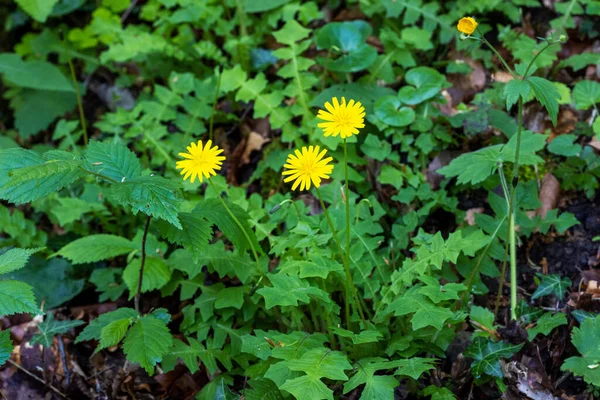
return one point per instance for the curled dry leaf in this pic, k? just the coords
(254, 142)
(549, 194)
(470, 215)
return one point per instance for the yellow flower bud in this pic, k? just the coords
(467, 25)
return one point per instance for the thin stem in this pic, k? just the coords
(37, 378)
(536, 56)
(347, 259)
(214, 106)
(141, 276)
(111, 180)
(484, 40)
(239, 224)
(79, 101)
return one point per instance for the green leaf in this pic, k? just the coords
(375, 148)
(316, 364)
(94, 330)
(258, 6)
(36, 74)
(439, 393)
(487, 355)
(152, 195)
(194, 235)
(96, 248)
(515, 89)
(156, 275)
(289, 290)
(389, 109)
(415, 367)
(547, 94)
(482, 316)
(190, 354)
(71, 209)
(425, 312)
(15, 259)
(366, 336)
(587, 341)
(291, 33)
(551, 284)
(438, 292)
(417, 37)
(113, 333)
(426, 83)
(545, 324)
(113, 160)
(366, 94)
(147, 342)
(46, 105)
(50, 328)
(262, 389)
(231, 297)
(25, 176)
(391, 176)
(6, 346)
(215, 212)
(16, 297)
(376, 386)
(564, 145)
(586, 94)
(347, 39)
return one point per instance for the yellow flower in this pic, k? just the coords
(306, 167)
(342, 119)
(200, 161)
(467, 25)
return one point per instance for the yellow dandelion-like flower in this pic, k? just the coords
(342, 119)
(467, 25)
(306, 167)
(200, 161)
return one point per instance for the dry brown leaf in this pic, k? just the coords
(595, 143)
(470, 215)
(549, 194)
(254, 142)
(502, 76)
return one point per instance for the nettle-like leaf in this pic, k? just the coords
(316, 364)
(147, 342)
(113, 333)
(194, 236)
(289, 290)
(96, 248)
(113, 160)
(16, 297)
(487, 355)
(515, 89)
(190, 354)
(547, 94)
(94, 330)
(25, 176)
(587, 341)
(586, 94)
(52, 327)
(156, 275)
(15, 259)
(551, 284)
(6, 346)
(477, 166)
(215, 212)
(153, 195)
(545, 324)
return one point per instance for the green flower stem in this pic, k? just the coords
(502, 60)
(537, 55)
(337, 241)
(79, 101)
(141, 276)
(214, 106)
(347, 260)
(239, 224)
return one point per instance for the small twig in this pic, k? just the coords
(139, 287)
(37, 378)
(128, 11)
(63, 356)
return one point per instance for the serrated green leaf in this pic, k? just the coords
(96, 248)
(587, 341)
(262, 389)
(415, 367)
(231, 297)
(71, 209)
(156, 275)
(25, 176)
(545, 324)
(194, 235)
(36, 74)
(113, 160)
(113, 333)
(551, 284)
(547, 94)
(289, 290)
(6, 346)
(15, 259)
(586, 94)
(487, 355)
(94, 330)
(425, 312)
(215, 212)
(152, 195)
(513, 90)
(438, 292)
(190, 354)
(16, 297)
(147, 342)
(52, 327)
